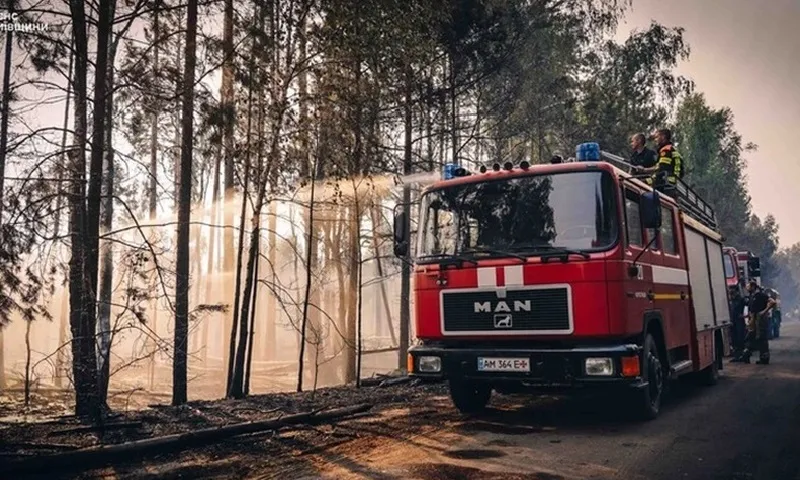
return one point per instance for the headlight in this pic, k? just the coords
(430, 364)
(599, 366)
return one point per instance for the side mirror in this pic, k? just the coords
(754, 266)
(650, 210)
(400, 232)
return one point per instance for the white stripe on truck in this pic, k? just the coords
(670, 276)
(487, 277)
(513, 276)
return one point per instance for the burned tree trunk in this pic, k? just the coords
(272, 316)
(351, 349)
(61, 357)
(236, 379)
(107, 215)
(84, 363)
(152, 195)
(179, 365)
(4, 131)
(229, 108)
(405, 279)
(3, 146)
(309, 262)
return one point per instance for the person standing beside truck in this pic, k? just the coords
(759, 307)
(739, 327)
(775, 325)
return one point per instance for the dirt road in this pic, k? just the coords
(746, 427)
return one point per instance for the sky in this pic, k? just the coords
(745, 54)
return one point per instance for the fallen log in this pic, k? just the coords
(91, 457)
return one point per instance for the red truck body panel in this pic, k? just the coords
(607, 304)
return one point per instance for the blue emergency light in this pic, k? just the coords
(587, 152)
(449, 171)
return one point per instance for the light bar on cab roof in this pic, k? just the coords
(587, 152)
(451, 170)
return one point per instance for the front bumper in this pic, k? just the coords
(549, 367)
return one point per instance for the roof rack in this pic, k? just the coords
(690, 201)
(686, 198)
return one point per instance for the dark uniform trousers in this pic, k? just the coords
(758, 337)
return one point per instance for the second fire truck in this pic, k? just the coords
(572, 275)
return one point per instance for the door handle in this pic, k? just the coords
(650, 295)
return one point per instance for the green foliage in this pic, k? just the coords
(628, 88)
(714, 152)
(715, 165)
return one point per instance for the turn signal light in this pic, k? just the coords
(630, 366)
(410, 363)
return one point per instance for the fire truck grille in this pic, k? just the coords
(542, 309)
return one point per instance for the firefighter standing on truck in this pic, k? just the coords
(758, 335)
(670, 164)
(642, 156)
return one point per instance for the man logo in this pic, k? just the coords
(502, 321)
(502, 307)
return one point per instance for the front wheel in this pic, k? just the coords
(470, 397)
(647, 401)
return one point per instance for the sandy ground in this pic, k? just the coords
(746, 427)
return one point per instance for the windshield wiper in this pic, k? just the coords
(493, 251)
(555, 251)
(448, 258)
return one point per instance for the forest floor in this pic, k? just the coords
(746, 427)
(47, 429)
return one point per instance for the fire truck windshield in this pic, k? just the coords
(730, 272)
(527, 215)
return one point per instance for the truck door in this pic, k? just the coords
(639, 288)
(671, 284)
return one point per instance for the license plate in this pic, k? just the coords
(488, 364)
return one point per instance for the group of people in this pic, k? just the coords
(756, 317)
(664, 167)
(754, 322)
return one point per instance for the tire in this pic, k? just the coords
(647, 401)
(470, 397)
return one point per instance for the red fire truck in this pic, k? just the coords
(732, 277)
(570, 275)
(749, 266)
(740, 268)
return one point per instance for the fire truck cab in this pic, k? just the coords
(749, 266)
(572, 275)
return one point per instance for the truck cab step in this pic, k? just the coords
(676, 369)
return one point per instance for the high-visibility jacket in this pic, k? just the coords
(670, 165)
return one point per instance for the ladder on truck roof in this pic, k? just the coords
(687, 199)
